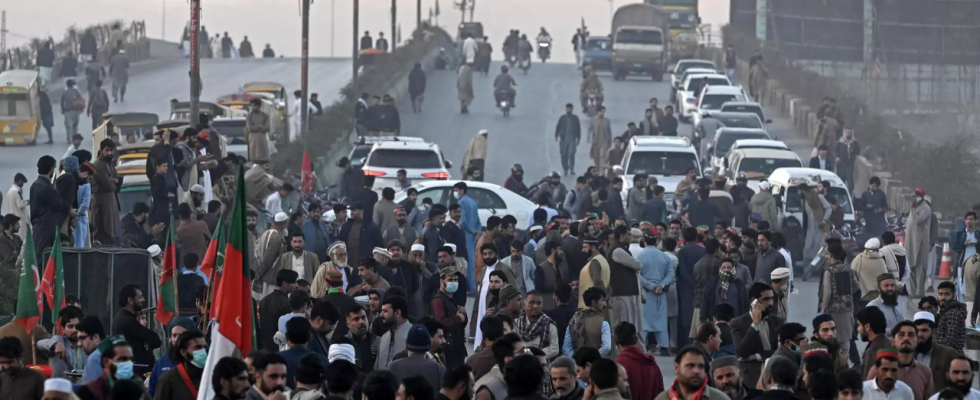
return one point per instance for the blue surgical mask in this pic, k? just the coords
(124, 370)
(456, 195)
(200, 358)
(451, 287)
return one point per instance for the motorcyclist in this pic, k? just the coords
(510, 45)
(551, 185)
(504, 84)
(543, 36)
(515, 182)
(524, 50)
(591, 84)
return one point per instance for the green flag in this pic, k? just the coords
(29, 300)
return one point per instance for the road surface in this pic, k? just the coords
(527, 136)
(151, 88)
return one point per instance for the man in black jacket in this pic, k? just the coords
(452, 232)
(46, 205)
(127, 323)
(273, 306)
(367, 240)
(748, 332)
(568, 133)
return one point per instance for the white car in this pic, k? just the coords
(233, 129)
(713, 97)
(784, 183)
(682, 66)
(420, 160)
(663, 157)
(490, 199)
(758, 164)
(365, 143)
(686, 100)
(746, 107)
(724, 138)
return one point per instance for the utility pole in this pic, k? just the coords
(195, 61)
(304, 74)
(355, 49)
(418, 14)
(462, 9)
(3, 31)
(472, 7)
(333, 26)
(163, 25)
(394, 20)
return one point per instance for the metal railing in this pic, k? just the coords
(25, 56)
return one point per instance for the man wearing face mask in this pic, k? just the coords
(755, 332)
(792, 336)
(183, 381)
(127, 323)
(16, 381)
(887, 301)
(451, 315)
(163, 365)
(117, 365)
(917, 243)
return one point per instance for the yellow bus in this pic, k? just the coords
(20, 110)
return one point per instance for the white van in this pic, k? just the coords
(785, 180)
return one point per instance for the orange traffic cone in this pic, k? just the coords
(947, 263)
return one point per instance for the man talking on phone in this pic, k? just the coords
(756, 332)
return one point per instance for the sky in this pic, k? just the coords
(279, 24)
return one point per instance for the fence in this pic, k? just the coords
(133, 37)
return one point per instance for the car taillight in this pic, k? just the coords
(696, 101)
(436, 175)
(369, 172)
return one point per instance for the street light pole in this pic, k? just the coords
(418, 14)
(333, 26)
(394, 19)
(304, 74)
(195, 72)
(355, 51)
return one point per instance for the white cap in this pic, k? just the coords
(197, 188)
(764, 185)
(483, 132)
(779, 273)
(281, 217)
(154, 250)
(451, 246)
(418, 247)
(60, 385)
(924, 315)
(341, 351)
(535, 228)
(872, 244)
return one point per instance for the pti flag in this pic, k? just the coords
(53, 283)
(167, 296)
(29, 298)
(234, 324)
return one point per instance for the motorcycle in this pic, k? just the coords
(504, 102)
(544, 49)
(524, 63)
(592, 103)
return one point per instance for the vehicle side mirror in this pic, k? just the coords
(449, 164)
(617, 170)
(363, 160)
(768, 121)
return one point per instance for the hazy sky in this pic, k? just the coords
(280, 24)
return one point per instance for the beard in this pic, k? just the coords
(490, 261)
(267, 390)
(251, 227)
(889, 298)
(924, 347)
(963, 387)
(732, 390)
(833, 347)
(340, 263)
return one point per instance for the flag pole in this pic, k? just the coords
(33, 349)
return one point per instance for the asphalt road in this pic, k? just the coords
(154, 84)
(527, 136)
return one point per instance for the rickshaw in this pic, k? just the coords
(182, 110)
(237, 104)
(20, 110)
(131, 158)
(174, 124)
(132, 127)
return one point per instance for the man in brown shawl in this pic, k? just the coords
(257, 125)
(105, 205)
(600, 135)
(464, 85)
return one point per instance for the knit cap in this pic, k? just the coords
(418, 340)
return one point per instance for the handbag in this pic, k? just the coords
(78, 104)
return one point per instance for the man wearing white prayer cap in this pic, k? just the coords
(868, 266)
(341, 351)
(269, 246)
(780, 290)
(58, 389)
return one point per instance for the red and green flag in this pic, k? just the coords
(53, 283)
(29, 298)
(214, 260)
(234, 317)
(167, 293)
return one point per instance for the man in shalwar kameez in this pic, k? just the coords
(657, 273)
(471, 225)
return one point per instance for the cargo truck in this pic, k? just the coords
(641, 41)
(684, 21)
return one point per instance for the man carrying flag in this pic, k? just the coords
(234, 326)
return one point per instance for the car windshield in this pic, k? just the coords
(661, 163)
(695, 83)
(761, 168)
(682, 20)
(684, 66)
(739, 121)
(234, 130)
(835, 194)
(15, 105)
(394, 158)
(359, 153)
(724, 140)
(639, 36)
(744, 108)
(597, 44)
(129, 196)
(714, 101)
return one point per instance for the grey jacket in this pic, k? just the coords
(418, 364)
(59, 366)
(389, 346)
(635, 200)
(766, 263)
